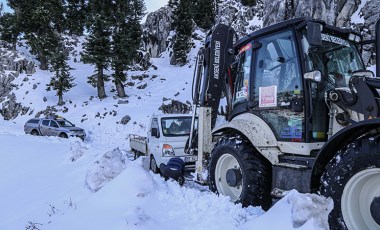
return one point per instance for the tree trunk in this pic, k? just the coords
(100, 84)
(14, 43)
(60, 100)
(43, 62)
(120, 88)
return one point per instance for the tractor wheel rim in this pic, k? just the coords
(226, 162)
(358, 195)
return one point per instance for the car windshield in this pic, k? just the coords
(64, 123)
(337, 59)
(176, 126)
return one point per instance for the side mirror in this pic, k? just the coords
(314, 33)
(315, 75)
(363, 73)
(155, 133)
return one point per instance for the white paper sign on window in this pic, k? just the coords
(268, 96)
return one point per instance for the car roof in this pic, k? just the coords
(171, 115)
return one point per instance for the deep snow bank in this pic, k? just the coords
(43, 187)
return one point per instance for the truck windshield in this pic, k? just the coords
(64, 123)
(337, 59)
(176, 126)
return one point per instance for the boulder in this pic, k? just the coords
(175, 106)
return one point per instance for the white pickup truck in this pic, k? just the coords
(166, 138)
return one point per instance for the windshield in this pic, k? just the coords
(64, 123)
(176, 126)
(337, 59)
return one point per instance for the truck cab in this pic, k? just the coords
(166, 138)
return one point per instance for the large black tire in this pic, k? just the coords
(34, 133)
(352, 180)
(153, 165)
(63, 135)
(238, 171)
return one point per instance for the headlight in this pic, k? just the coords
(167, 150)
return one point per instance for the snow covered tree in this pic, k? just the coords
(97, 48)
(9, 30)
(41, 22)
(248, 2)
(204, 13)
(61, 81)
(75, 16)
(126, 38)
(183, 23)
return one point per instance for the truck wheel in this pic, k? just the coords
(63, 135)
(153, 165)
(352, 180)
(35, 133)
(236, 170)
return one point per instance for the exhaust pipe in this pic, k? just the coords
(377, 48)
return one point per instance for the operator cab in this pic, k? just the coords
(272, 68)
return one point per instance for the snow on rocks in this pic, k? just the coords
(105, 169)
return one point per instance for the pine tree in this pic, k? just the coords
(204, 13)
(75, 16)
(97, 48)
(183, 24)
(248, 2)
(126, 39)
(61, 81)
(41, 23)
(9, 29)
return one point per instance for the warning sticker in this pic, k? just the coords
(268, 96)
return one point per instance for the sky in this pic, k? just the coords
(152, 5)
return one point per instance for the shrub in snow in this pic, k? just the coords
(105, 169)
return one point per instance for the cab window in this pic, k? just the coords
(241, 89)
(53, 124)
(45, 122)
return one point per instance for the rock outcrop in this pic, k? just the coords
(334, 12)
(174, 106)
(157, 28)
(12, 64)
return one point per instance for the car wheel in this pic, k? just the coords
(153, 165)
(63, 135)
(35, 133)
(352, 180)
(238, 171)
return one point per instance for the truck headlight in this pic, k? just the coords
(167, 150)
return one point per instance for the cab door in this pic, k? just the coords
(54, 128)
(153, 141)
(277, 88)
(45, 128)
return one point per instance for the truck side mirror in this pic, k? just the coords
(155, 133)
(314, 33)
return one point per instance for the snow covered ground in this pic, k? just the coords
(50, 183)
(43, 188)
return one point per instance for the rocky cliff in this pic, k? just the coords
(11, 65)
(157, 28)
